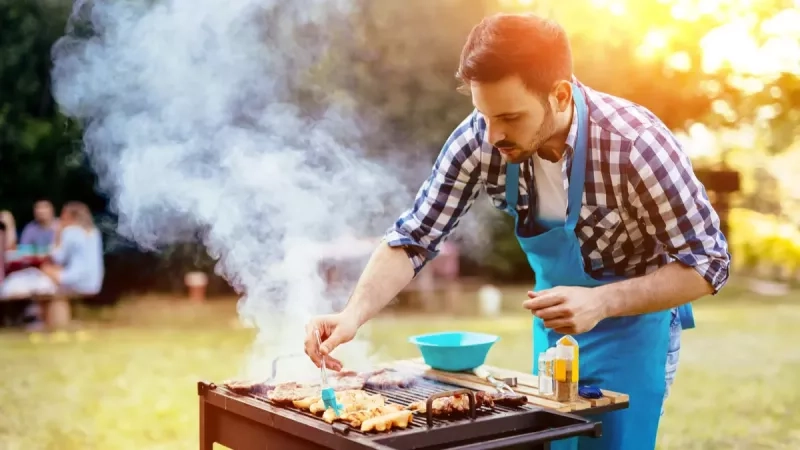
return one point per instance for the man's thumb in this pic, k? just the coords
(331, 343)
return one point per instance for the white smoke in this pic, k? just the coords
(192, 124)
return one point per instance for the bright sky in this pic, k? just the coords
(733, 43)
(752, 47)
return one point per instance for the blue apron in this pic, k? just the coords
(623, 354)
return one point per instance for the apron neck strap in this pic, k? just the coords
(512, 187)
(578, 171)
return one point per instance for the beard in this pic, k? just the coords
(545, 132)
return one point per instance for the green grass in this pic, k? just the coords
(128, 381)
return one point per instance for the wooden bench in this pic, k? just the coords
(56, 309)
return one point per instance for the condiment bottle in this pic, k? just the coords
(551, 368)
(566, 370)
(545, 372)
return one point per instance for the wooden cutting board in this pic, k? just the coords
(527, 384)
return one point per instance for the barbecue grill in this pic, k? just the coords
(245, 422)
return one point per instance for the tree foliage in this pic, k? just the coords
(393, 64)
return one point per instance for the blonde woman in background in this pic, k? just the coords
(11, 229)
(77, 252)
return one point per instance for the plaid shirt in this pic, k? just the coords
(642, 203)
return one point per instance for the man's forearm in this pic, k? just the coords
(666, 288)
(386, 274)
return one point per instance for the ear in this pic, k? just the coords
(562, 94)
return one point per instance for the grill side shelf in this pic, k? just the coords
(526, 384)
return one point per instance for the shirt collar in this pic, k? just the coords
(572, 137)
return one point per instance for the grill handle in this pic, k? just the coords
(429, 403)
(591, 429)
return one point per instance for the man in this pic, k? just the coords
(619, 232)
(41, 231)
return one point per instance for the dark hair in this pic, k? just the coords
(535, 48)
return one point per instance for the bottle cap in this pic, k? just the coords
(565, 352)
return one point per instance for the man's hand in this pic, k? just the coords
(567, 310)
(334, 330)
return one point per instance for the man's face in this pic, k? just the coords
(518, 121)
(43, 212)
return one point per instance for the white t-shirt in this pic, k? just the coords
(551, 197)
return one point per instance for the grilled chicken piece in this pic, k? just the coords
(386, 422)
(388, 379)
(305, 403)
(350, 401)
(458, 403)
(356, 418)
(366, 404)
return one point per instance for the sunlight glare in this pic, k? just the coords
(655, 41)
(680, 61)
(698, 142)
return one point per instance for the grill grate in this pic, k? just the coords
(420, 391)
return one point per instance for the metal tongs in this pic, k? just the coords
(328, 394)
(501, 386)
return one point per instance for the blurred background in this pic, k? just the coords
(121, 369)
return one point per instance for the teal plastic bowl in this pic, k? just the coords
(454, 351)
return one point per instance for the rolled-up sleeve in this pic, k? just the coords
(672, 205)
(446, 195)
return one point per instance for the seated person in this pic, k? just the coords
(76, 265)
(7, 219)
(77, 253)
(40, 232)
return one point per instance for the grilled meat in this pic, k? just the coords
(356, 418)
(509, 399)
(287, 393)
(368, 403)
(248, 387)
(389, 379)
(452, 404)
(398, 419)
(346, 381)
(351, 401)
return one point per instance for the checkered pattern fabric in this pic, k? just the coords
(642, 204)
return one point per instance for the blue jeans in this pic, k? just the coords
(673, 353)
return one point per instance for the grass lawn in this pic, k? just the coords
(128, 380)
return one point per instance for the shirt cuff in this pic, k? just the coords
(713, 269)
(415, 251)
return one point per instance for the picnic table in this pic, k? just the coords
(15, 261)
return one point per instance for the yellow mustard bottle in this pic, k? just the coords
(566, 369)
